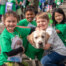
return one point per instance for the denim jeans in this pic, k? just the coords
(53, 59)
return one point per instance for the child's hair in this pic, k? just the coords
(59, 10)
(42, 15)
(30, 8)
(10, 13)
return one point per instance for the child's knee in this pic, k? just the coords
(45, 60)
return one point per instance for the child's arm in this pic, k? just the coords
(6, 47)
(14, 51)
(23, 26)
(16, 2)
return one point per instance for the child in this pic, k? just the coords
(29, 17)
(58, 53)
(14, 4)
(58, 17)
(30, 51)
(42, 4)
(19, 8)
(11, 40)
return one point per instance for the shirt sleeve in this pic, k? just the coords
(32, 29)
(62, 28)
(14, 51)
(24, 31)
(20, 23)
(52, 37)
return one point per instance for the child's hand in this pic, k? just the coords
(23, 49)
(47, 46)
(37, 28)
(57, 31)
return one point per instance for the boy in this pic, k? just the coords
(58, 53)
(29, 17)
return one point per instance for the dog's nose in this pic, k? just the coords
(40, 43)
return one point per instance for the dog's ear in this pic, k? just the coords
(47, 37)
(30, 39)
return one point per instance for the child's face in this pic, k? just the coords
(42, 23)
(58, 17)
(30, 15)
(10, 23)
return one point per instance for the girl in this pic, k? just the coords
(58, 53)
(11, 40)
(30, 51)
(58, 17)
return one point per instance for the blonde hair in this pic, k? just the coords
(42, 15)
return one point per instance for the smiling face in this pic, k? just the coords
(42, 23)
(30, 16)
(10, 23)
(58, 17)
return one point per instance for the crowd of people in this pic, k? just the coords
(21, 18)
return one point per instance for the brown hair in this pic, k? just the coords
(42, 15)
(10, 13)
(30, 8)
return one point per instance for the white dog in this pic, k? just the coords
(38, 38)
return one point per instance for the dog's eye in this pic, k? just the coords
(42, 36)
(36, 37)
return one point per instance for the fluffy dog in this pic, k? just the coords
(38, 38)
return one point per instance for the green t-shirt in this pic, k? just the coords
(24, 22)
(30, 51)
(6, 41)
(62, 35)
(2, 9)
